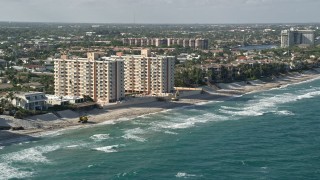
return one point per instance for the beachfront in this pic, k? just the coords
(35, 127)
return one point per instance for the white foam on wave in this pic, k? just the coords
(1, 147)
(139, 123)
(108, 149)
(242, 113)
(183, 123)
(33, 155)
(190, 122)
(100, 137)
(197, 111)
(185, 107)
(308, 95)
(204, 103)
(9, 172)
(53, 133)
(109, 122)
(62, 131)
(230, 108)
(124, 119)
(134, 137)
(258, 107)
(30, 155)
(170, 132)
(264, 170)
(73, 146)
(285, 113)
(114, 121)
(58, 132)
(167, 110)
(184, 175)
(145, 116)
(133, 134)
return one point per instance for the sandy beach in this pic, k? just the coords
(222, 91)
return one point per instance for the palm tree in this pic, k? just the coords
(5, 104)
(10, 96)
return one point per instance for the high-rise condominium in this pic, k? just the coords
(148, 74)
(100, 78)
(297, 37)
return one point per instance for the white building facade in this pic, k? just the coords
(148, 74)
(297, 37)
(100, 78)
(31, 101)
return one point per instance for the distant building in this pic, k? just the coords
(192, 43)
(185, 43)
(90, 33)
(35, 68)
(31, 101)
(3, 63)
(297, 37)
(202, 44)
(183, 57)
(100, 78)
(3, 80)
(18, 68)
(34, 85)
(160, 42)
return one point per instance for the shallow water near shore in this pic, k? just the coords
(266, 135)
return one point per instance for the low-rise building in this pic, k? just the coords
(3, 80)
(3, 63)
(53, 100)
(30, 101)
(18, 68)
(183, 57)
(35, 68)
(34, 86)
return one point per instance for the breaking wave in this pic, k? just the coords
(108, 149)
(185, 175)
(133, 134)
(9, 172)
(100, 137)
(33, 155)
(30, 155)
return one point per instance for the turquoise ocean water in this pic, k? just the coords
(273, 134)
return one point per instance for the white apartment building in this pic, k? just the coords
(297, 37)
(198, 43)
(148, 74)
(100, 78)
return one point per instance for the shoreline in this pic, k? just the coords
(128, 112)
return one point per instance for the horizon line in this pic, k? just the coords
(130, 23)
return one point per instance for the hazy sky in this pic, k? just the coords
(161, 11)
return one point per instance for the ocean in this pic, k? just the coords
(273, 134)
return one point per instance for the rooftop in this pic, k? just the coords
(29, 93)
(63, 98)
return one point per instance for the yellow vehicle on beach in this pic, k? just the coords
(83, 119)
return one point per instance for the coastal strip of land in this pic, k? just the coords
(35, 128)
